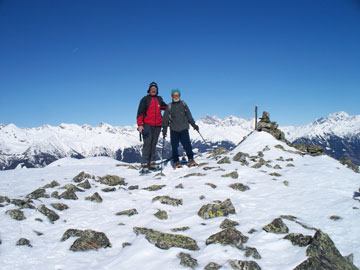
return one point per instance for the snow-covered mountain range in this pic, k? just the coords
(263, 205)
(339, 133)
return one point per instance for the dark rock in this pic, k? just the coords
(90, 240)
(218, 151)
(186, 260)
(16, 214)
(55, 195)
(86, 184)
(212, 266)
(252, 252)
(193, 174)
(211, 185)
(168, 200)
(315, 150)
(161, 215)
(298, 239)
(126, 244)
(241, 157)
(133, 187)
(68, 195)
(323, 254)
(348, 163)
(109, 189)
(50, 214)
(185, 228)
(335, 218)
(167, 240)
(227, 223)
(112, 180)
(275, 174)
(217, 210)
(23, 242)
(154, 187)
(128, 213)
(239, 186)
(276, 226)
(73, 188)
(244, 265)
(60, 206)
(233, 175)
(71, 233)
(52, 184)
(82, 176)
(4, 199)
(228, 236)
(95, 198)
(23, 203)
(39, 193)
(179, 186)
(224, 160)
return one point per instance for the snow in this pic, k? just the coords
(319, 187)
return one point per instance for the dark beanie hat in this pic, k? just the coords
(153, 84)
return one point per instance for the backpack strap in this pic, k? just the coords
(169, 107)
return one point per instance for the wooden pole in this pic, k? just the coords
(256, 108)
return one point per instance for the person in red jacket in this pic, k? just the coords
(149, 121)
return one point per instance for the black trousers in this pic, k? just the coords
(150, 141)
(184, 138)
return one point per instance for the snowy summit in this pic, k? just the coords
(263, 205)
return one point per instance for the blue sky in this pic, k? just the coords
(91, 61)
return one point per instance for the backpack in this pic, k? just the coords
(169, 106)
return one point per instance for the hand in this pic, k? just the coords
(145, 133)
(196, 127)
(140, 128)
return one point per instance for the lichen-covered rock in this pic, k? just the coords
(112, 180)
(276, 226)
(60, 206)
(55, 195)
(71, 233)
(211, 185)
(39, 193)
(52, 184)
(212, 266)
(180, 186)
(23, 242)
(154, 187)
(229, 236)
(4, 199)
(167, 240)
(233, 175)
(239, 186)
(348, 163)
(241, 157)
(181, 229)
(161, 215)
(277, 167)
(298, 239)
(72, 187)
(275, 174)
(168, 200)
(16, 214)
(82, 176)
(335, 218)
(252, 252)
(323, 254)
(95, 198)
(227, 223)
(219, 151)
(133, 187)
(194, 174)
(315, 150)
(186, 260)
(86, 184)
(244, 265)
(22, 203)
(90, 240)
(109, 189)
(225, 160)
(68, 195)
(50, 214)
(217, 210)
(128, 213)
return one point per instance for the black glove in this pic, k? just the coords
(145, 133)
(164, 131)
(196, 127)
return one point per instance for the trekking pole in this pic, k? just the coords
(162, 154)
(203, 138)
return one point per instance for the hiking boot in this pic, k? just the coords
(192, 163)
(153, 166)
(177, 165)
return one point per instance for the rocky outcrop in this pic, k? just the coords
(186, 260)
(167, 240)
(50, 214)
(39, 193)
(270, 127)
(23, 242)
(95, 198)
(82, 176)
(276, 226)
(244, 265)
(112, 180)
(239, 186)
(128, 213)
(168, 200)
(323, 254)
(298, 239)
(16, 214)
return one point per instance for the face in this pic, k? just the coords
(176, 97)
(153, 91)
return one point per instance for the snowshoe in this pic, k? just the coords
(177, 165)
(192, 163)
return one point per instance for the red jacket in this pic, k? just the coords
(152, 114)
